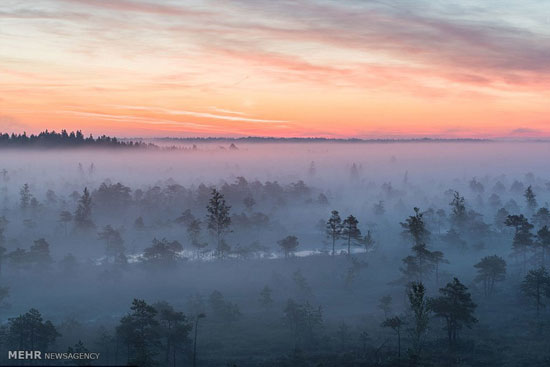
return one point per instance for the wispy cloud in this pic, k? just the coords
(200, 114)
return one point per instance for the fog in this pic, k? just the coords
(264, 275)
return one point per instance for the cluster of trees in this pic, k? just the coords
(348, 230)
(63, 139)
(307, 309)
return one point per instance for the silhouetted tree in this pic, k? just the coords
(194, 232)
(476, 186)
(162, 252)
(65, 217)
(174, 330)
(500, 218)
(459, 216)
(139, 330)
(543, 244)
(542, 217)
(302, 284)
(523, 238)
(420, 308)
(114, 244)
(395, 323)
(303, 321)
(30, 332)
(77, 349)
(530, 199)
(536, 285)
(334, 228)
(218, 220)
(105, 344)
(3, 225)
(83, 213)
(223, 310)
(25, 196)
(456, 307)
(368, 241)
(39, 253)
(490, 269)
(415, 228)
(350, 231)
(289, 245)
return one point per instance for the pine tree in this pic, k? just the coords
(114, 244)
(536, 285)
(456, 307)
(350, 231)
(289, 245)
(523, 238)
(490, 269)
(459, 216)
(139, 330)
(218, 220)
(530, 199)
(83, 213)
(395, 323)
(334, 228)
(420, 309)
(65, 217)
(543, 244)
(25, 196)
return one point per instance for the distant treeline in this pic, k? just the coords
(65, 139)
(268, 139)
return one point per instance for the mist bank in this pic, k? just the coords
(293, 253)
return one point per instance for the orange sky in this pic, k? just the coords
(285, 68)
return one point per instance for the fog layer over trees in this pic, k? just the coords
(278, 254)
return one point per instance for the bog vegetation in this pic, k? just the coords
(292, 270)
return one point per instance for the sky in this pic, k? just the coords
(342, 68)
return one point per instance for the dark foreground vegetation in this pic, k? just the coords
(252, 273)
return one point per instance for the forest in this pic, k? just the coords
(302, 254)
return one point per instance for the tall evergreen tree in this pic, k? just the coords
(30, 332)
(174, 331)
(420, 309)
(459, 216)
(334, 228)
(350, 231)
(456, 307)
(395, 323)
(523, 238)
(114, 244)
(414, 228)
(536, 286)
(219, 220)
(83, 213)
(139, 330)
(25, 196)
(423, 261)
(530, 199)
(542, 243)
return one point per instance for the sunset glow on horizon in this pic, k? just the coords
(338, 69)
